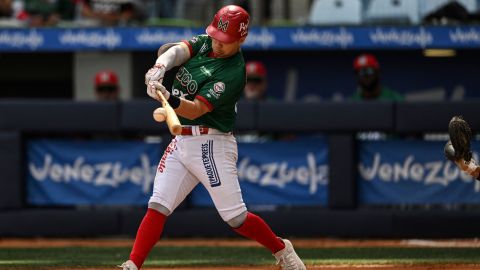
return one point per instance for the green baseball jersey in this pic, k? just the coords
(385, 95)
(218, 82)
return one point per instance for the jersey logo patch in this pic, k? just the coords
(205, 71)
(222, 25)
(209, 164)
(219, 87)
(203, 48)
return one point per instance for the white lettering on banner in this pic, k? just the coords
(100, 174)
(471, 35)
(264, 38)
(110, 38)
(31, 39)
(147, 37)
(280, 174)
(341, 37)
(401, 37)
(429, 173)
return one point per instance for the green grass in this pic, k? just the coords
(81, 257)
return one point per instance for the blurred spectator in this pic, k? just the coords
(6, 8)
(112, 12)
(12, 13)
(38, 13)
(245, 4)
(67, 9)
(107, 87)
(256, 86)
(367, 70)
(164, 8)
(451, 12)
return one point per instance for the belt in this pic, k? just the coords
(201, 130)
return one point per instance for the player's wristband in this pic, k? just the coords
(174, 101)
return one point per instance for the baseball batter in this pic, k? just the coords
(207, 86)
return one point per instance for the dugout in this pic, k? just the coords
(343, 216)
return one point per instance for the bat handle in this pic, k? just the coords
(172, 120)
(162, 97)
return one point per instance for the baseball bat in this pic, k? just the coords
(172, 119)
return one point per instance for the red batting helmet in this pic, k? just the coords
(365, 60)
(229, 24)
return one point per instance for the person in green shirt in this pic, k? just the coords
(367, 71)
(207, 86)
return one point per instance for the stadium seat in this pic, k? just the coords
(330, 12)
(392, 11)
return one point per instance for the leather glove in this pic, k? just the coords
(156, 73)
(460, 136)
(449, 151)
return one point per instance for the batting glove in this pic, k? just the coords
(156, 73)
(152, 88)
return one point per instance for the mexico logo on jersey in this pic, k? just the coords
(218, 88)
(186, 80)
(222, 25)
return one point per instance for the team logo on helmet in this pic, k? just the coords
(222, 25)
(243, 28)
(219, 87)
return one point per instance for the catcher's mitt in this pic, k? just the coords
(460, 136)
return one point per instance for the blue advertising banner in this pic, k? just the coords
(412, 172)
(259, 38)
(279, 173)
(70, 172)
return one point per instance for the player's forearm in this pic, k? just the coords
(190, 109)
(174, 56)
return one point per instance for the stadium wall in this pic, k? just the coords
(342, 217)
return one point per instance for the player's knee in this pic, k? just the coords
(158, 207)
(237, 221)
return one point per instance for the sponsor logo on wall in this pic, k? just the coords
(410, 172)
(68, 172)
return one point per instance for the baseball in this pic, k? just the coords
(160, 114)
